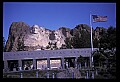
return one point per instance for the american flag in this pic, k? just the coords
(97, 18)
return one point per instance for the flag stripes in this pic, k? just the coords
(97, 18)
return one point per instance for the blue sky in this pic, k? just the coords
(53, 15)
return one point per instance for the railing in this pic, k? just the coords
(32, 73)
(83, 73)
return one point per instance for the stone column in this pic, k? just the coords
(6, 66)
(90, 61)
(53, 75)
(85, 64)
(48, 63)
(34, 63)
(21, 75)
(47, 74)
(37, 74)
(87, 74)
(76, 66)
(92, 74)
(62, 63)
(20, 64)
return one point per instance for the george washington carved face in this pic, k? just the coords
(35, 29)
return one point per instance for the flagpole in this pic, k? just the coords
(91, 38)
(92, 63)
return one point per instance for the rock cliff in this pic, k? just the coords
(22, 37)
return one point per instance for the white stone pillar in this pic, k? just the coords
(67, 64)
(80, 65)
(62, 63)
(34, 63)
(6, 66)
(76, 58)
(53, 75)
(87, 75)
(48, 63)
(37, 74)
(20, 64)
(85, 64)
(90, 61)
(47, 74)
(92, 74)
(21, 75)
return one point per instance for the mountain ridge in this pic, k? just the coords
(22, 37)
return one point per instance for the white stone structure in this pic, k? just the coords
(48, 55)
